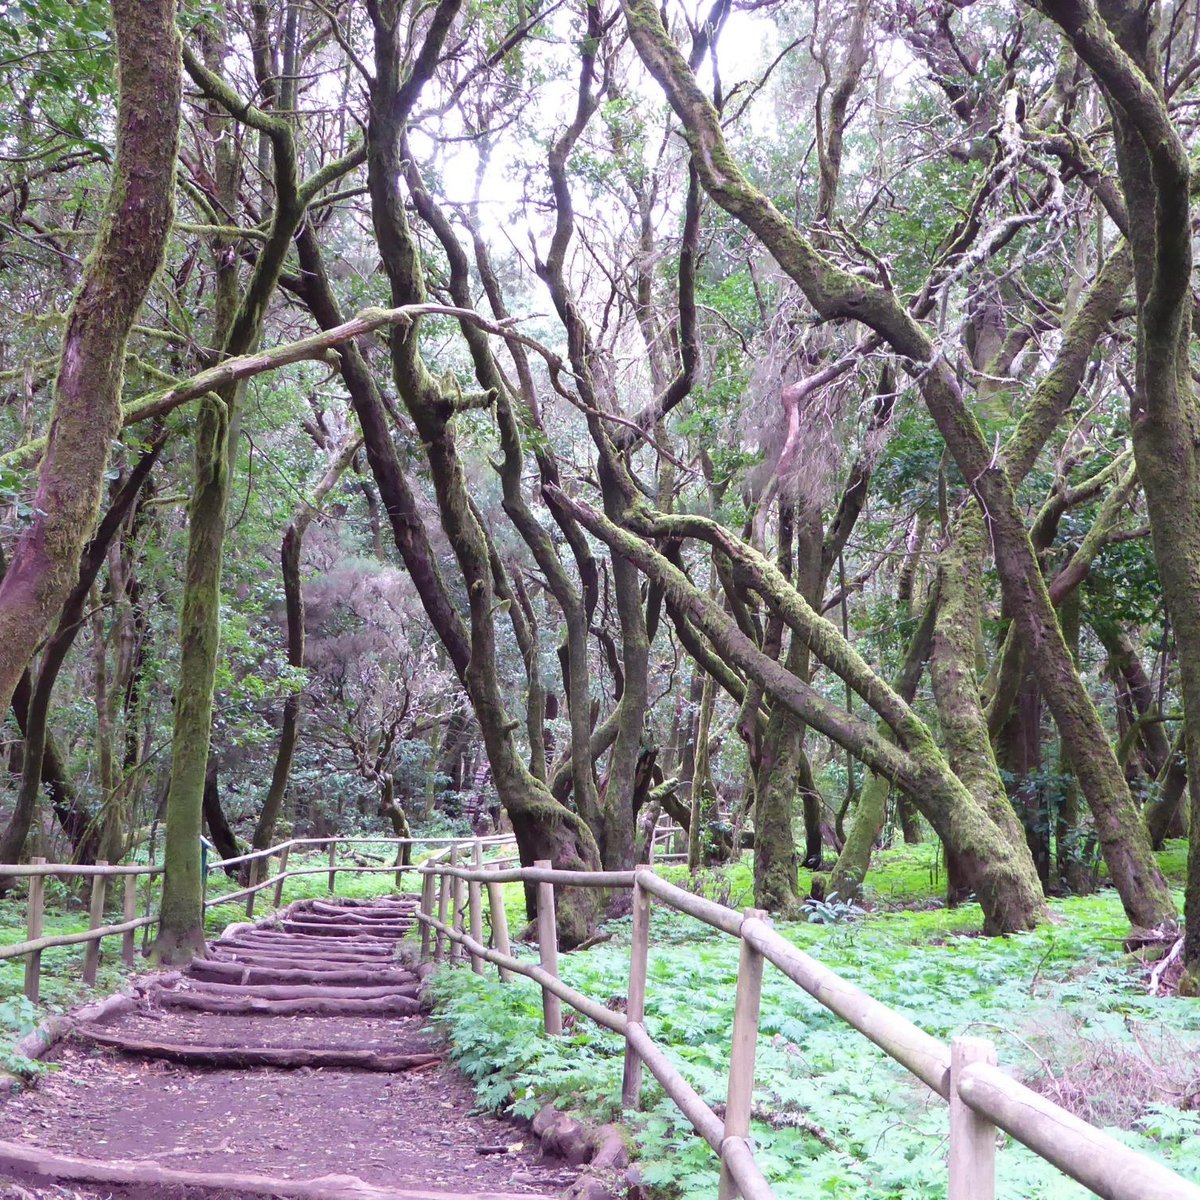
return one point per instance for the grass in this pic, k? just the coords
(1066, 1010)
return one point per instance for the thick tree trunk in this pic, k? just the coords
(181, 928)
(87, 401)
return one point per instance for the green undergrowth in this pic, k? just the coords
(1066, 1009)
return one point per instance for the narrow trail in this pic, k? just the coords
(293, 1060)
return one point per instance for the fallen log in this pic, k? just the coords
(301, 973)
(401, 1006)
(294, 942)
(41, 1165)
(290, 1057)
(328, 962)
(304, 991)
(315, 929)
(361, 914)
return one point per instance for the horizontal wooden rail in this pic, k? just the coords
(499, 839)
(593, 879)
(981, 1096)
(38, 870)
(924, 1056)
(35, 869)
(1099, 1162)
(17, 949)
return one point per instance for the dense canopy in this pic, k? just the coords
(779, 417)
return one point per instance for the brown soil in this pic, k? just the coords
(411, 1129)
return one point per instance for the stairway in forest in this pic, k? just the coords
(291, 1060)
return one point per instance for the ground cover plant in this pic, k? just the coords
(1065, 1005)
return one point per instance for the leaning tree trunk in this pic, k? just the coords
(34, 722)
(839, 294)
(1155, 174)
(87, 399)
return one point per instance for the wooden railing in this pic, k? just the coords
(38, 870)
(981, 1097)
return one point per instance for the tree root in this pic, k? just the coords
(44, 1165)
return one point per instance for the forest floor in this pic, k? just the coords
(1067, 1008)
(408, 1122)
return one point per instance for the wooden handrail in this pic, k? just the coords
(38, 870)
(1078, 1149)
(17, 949)
(982, 1096)
(43, 869)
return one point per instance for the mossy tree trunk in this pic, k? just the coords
(1119, 42)
(999, 877)
(956, 690)
(238, 324)
(544, 828)
(86, 414)
(838, 294)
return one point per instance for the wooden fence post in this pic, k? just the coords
(972, 1137)
(283, 857)
(457, 952)
(91, 956)
(129, 914)
(548, 951)
(33, 930)
(332, 862)
(427, 879)
(740, 1096)
(499, 921)
(475, 893)
(252, 879)
(439, 948)
(635, 1005)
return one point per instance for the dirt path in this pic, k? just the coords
(288, 1054)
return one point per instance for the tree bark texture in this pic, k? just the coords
(86, 416)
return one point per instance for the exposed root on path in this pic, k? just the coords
(25, 1162)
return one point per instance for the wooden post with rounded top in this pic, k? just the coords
(332, 863)
(548, 951)
(499, 919)
(33, 931)
(427, 883)
(283, 857)
(740, 1096)
(972, 1137)
(635, 1002)
(457, 951)
(475, 894)
(439, 949)
(251, 880)
(91, 956)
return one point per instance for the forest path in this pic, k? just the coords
(295, 1052)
